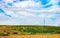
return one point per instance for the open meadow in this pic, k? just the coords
(29, 31)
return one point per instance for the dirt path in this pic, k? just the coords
(33, 36)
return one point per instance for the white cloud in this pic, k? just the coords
(30, 12)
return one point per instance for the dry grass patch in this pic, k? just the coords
(33, 36)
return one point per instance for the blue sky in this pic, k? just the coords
(30, 12)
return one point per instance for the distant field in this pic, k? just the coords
(28, 30)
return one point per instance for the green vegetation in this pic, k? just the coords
(22, 30)
(2, 34)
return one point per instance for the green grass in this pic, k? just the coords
(2, 34)
(36, 29)
(33, 29)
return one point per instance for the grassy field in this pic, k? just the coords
(28, 30)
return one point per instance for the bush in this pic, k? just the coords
(4, 34)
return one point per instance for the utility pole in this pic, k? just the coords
(44, 21)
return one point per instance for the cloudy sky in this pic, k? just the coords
(30, 12)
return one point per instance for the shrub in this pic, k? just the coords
(2, 34)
